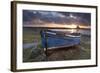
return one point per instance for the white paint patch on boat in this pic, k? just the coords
(72, 36)
(51, 33)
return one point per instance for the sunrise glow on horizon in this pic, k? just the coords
(52, 25)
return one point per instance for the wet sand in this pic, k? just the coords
(69, 53)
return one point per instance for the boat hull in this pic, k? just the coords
(52, 41)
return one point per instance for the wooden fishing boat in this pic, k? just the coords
(56, 39)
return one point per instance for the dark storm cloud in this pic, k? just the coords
(80, 17)
(56, 17)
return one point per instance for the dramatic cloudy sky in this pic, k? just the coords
(32, 18)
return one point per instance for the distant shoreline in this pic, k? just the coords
(53, 27)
